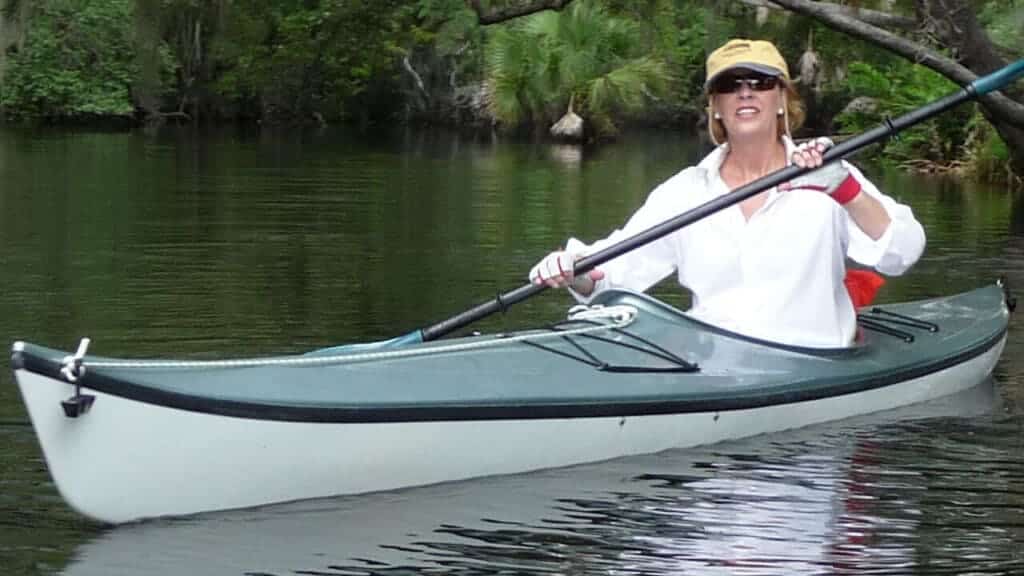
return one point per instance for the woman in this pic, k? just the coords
(772, 266)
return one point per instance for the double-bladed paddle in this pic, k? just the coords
(979, 87)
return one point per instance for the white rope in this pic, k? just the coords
(614, 316)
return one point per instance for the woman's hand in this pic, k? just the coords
(836, 181)
(557, 270)
(833, 179)
(810, 153)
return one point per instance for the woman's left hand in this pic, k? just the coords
(834, 179)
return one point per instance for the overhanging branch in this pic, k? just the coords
(873, 17)
(495, 14)
(1007, 109)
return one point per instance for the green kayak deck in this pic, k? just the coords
(663, 362)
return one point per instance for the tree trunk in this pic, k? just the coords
(147, 89)
(952, 24)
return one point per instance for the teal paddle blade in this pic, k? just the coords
(999, 78)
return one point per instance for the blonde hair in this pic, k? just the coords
(793, 115)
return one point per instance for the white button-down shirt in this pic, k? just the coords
(777, 276)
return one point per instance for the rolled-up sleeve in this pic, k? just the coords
(899, 247)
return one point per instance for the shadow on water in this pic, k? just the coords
(853, 497)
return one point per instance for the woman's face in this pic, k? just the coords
(748, 103)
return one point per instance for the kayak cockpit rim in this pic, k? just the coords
(858, 347)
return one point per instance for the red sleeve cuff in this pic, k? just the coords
(846, 191)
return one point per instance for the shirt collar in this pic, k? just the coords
(712, 163)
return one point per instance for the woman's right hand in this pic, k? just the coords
(557, 270)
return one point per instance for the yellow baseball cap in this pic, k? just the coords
(757, 55)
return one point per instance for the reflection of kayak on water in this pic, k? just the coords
(139, 439)
(643, 513)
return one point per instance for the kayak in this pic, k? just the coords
(131, 439)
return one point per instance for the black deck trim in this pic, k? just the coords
(475, 412)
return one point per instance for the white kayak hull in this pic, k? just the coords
(128, 460)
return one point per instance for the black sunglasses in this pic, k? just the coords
(732, 83)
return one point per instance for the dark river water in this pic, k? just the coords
(179, 243)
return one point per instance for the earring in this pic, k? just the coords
(781, 111)
(718, 116)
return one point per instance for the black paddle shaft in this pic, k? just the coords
(847, 147)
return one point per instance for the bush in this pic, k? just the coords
(902, 88)
(77, 63)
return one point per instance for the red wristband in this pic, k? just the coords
(846, 191)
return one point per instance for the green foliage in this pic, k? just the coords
(446, 49)
(987, 156)
(1004, 22)
(900, 89)
(615, 60)
(855, 69)
(584, 54)
(517, 90)
(676, 33)
(865, 80)
(291, 61)
(447, 24)
(77, 63)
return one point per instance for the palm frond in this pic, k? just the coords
(627, 86)
(535, 66)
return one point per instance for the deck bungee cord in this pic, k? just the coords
(598, 318)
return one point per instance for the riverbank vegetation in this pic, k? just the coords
(584, 70)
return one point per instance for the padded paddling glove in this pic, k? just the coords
(833, 179)
(558, 270)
